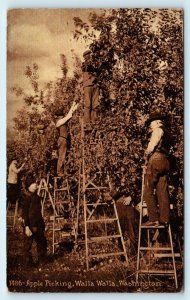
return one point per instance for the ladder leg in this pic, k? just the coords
(8, 207)
(86, 234)
(53, 240)
(105, 224)
(53, 204)
(54, 195)
(173, 256)
(15, 214)
(149, 245)
(84, 196)
(139, 244)
(140, 229)
(78, 208)
(43, 203)
(120, 232)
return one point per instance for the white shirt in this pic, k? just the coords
(13, 173)
(62, 121)
(156, 136)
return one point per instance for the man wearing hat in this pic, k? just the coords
(156, 187)
(62, 125)
(91, 90)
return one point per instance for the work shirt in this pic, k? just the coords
(157, 133)
(13, 173)
(62, 125)
(89, 75)
(160, 140)
(32, 210)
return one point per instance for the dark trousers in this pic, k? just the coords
(41, 243)
(126, 214)
(91, 103)
(62, 149)
(13, 193)
(156, 188)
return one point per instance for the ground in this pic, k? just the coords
(67, 272)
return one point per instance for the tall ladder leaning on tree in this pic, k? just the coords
(92, 210)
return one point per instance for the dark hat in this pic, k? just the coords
(59, 112)
(29, 180)
(155, 116)
(86, 53)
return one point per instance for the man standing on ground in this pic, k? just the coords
(34, 226)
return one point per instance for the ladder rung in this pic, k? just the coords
(99, 203)
(94, 238)
(167, 255)
(108, 254)
(61, 189)
(52, 218)
(156, 248)
(153, 227)
(101, 220)
(62, 202)
(157, 272)
(95, 188)
(63, 234)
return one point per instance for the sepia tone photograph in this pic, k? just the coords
(95, 150)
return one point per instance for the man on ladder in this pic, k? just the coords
(155, 187)
(90, 89)
(157, 170)
(62, 125)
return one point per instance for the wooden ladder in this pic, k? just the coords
(12, 214)
(90, 218)
(44, 192)
(149, 249)
(90, 209)
(61, 198)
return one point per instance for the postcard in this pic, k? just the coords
(95, 150)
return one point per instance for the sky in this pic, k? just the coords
(40, 36)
